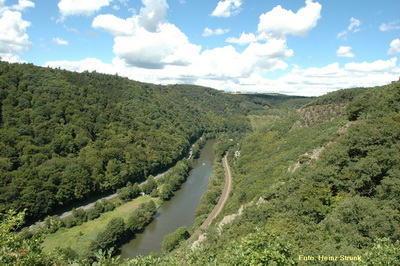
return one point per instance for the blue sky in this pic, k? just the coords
(302, 47)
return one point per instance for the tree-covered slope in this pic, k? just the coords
(329, 187)
(66, 135)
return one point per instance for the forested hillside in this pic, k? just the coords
(65, 136)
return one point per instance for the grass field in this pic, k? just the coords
(79, 237)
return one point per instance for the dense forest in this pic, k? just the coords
(65, 136)
(315, 180)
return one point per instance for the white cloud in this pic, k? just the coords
(279, 22)
(394, 25)
(81, 7)
(20, 6)
(168, 46)
(275, 48)
(353, 27)
(11, 58)
(394, 47)
(13, 36)
(376, 66)
(345, 51)
(13, 30)
(23, 4)
(90, 64)
(114, 25)
(245, 38)
(316, 81)
(60, 41)
(146, 40)
(209, 32)
(227, 8)
(152, 14)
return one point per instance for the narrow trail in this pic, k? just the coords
(110, 197)
(221, 202)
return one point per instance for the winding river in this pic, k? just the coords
(177, 212)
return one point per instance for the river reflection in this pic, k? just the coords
(177, 212)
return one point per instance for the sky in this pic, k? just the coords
(296, 47)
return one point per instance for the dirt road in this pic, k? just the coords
(221, 202)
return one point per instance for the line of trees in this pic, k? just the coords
(118, 231)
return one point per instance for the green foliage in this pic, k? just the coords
(15, 249)
(129, 191)
(172, 240)
(383, 253)
(141, 217)
(112, 236)
(365, 104)
(173, 179)
(149, 186)
(259, 248)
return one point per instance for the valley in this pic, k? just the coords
(312, 177)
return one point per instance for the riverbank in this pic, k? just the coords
(79, 238)
(177, 212)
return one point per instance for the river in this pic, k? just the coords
(177, 212)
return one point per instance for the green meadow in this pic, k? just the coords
(78, 238)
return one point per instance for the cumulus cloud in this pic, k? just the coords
(115, 25)
(227, 8)
(376, 66)
(353, 27)
(20, 6)
(316, 81)
(23, 4)
(13, 36)
(152, 14)
(209, 32)
(13, 30)
(394, 47)
(60, 41)
(90, 64)
(245, 38)
(226, 63)
(280, 22)
(345, 51)
(146, 40)
(168, 46)
(394, 25)
(81, 7)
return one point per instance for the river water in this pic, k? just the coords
(177, 212)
